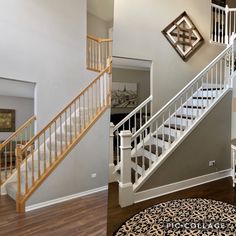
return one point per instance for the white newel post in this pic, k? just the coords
(112, 175)
(126, 196)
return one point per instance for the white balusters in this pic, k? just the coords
(223, 20)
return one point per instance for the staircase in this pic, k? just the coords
(141, 153)
(7, 149)
(44, 152)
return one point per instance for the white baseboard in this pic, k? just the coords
(171, 188)
(63, 199)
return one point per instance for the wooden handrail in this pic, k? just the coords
(99, 40)
(98, 50)
(61, 112)
(53, 143)
(16, 133)
(7, 148)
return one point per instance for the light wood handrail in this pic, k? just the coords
(99, 40)
(98, 50)
(7, 148)
(17, 132)
(53, 143)
(61, 112)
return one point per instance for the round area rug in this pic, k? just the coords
(183, 217)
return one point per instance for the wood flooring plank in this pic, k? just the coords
(82, 216)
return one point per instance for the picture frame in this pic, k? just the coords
(124, 95)
(183, 36)
(7, 120)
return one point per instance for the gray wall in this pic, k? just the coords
(209, 141)
(24, 110)
(137, 34)
(96, 26)
(73, 175)
(45, 42)
(141, 77)
(234, 109)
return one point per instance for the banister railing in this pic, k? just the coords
(98, 51)
(160, 134)
(223, 23)
(205, 75)
(137, 110)
(133, 121)
(50, 146)
(7, 149)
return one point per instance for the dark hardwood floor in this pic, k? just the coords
(83, 216)
(220, 190)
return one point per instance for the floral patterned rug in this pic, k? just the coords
(183, 217)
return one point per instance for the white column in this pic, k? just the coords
(126, 196)
(112, 175)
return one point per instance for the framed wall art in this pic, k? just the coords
(183, 35)
(7, 120)
(124, 95)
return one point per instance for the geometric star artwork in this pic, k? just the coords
(183, 36)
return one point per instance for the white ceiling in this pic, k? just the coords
(101, 8)
(15, 88)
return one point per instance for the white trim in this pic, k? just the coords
(171, 188)
(63, 199)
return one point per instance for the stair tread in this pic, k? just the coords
(205, 89)
(173, 126)
(194, 107)
(153, 149)
(184, 116)
(204, 97)
(165, 136)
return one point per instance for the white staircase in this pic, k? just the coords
(143, 152)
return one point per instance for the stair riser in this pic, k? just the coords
(36, 165)
(189, 111)
(208, 93)
(67, 128)
(179, 121)
(159, 142)
(58, 146)
(199, 102)
(172, 132)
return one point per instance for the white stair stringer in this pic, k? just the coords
(161, 159)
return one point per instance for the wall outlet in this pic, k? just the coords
(94, 175)
(212, 163)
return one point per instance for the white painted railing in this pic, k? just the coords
(223, 22)
(133, 121)
(151, 144)
(98, 51)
